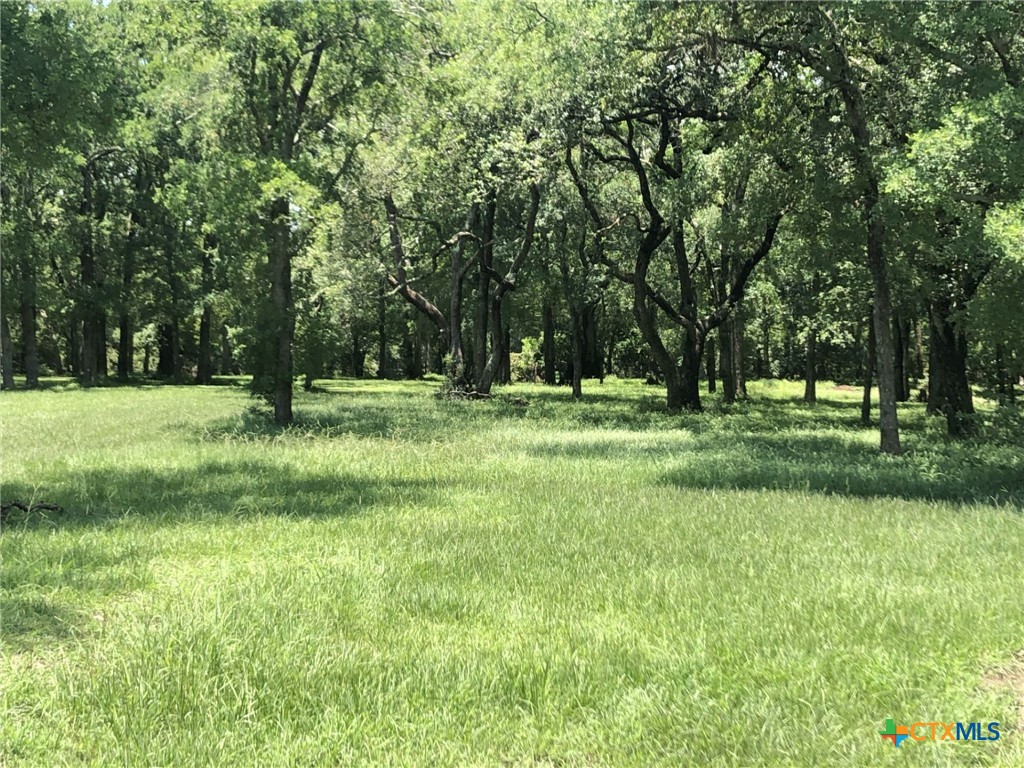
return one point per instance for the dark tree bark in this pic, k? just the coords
(869, 374)
(810, 373)
(382, 331)
(725, 354)
(6, 354)
(74, 349)
(30, 348)
(592, 362)
(710, 365)
(901, 343)
(483, 288)
(458, 276)
(279, 259)
(358, 357)
(954, 398)
(501, 291)
(682, 380)
(166, 338)
(577, 354)
(873, 218)
(739, 374)
(832, 63)
(125, 334)
(505, 366)
(204, 368)
(450, 329)
(548, 315)
(89, 304)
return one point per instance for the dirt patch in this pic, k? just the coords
(1010, 677)
(845, 388)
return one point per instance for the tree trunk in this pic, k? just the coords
(101, 345)
(901, 344)
(950, 345)
(279, 259)
(710, 357)
(204, 368)
(382, 331)
(918, 357)
(591, 355)
(7, 354)
(74, 348)
(869, 372)
(358, 357)
(30, 349)
(936, 388)
(725, 354)
(738, 374)
(548, 345)
(165, 354)
(689, 372)
(125, 346)
(578, 344)
(499, 337)
(457, 371)
(505, 369)
(810, 374)
(483, 289)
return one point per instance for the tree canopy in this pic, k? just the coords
(691, 193)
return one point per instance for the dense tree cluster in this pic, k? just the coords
(694, 193)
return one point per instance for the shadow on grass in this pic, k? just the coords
(829, 464)
(209, 490)
(41, 574)
(833, 465)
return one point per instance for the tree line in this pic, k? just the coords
(691, 193)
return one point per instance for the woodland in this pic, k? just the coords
(692, 194)
(511, 383)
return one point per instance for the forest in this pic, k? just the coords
(511, 383)
(694, 194)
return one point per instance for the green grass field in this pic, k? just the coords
(400, 581)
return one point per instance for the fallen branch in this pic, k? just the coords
(38, 506)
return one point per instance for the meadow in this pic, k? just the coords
(398, 580)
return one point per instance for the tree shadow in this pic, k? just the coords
(69, 567)
(828, 464)
(237, 488)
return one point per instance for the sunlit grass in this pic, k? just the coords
(401, 580)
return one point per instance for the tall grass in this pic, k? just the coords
(398, 580)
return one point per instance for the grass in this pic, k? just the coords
(398, 580)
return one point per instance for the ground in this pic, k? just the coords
(400, 580)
